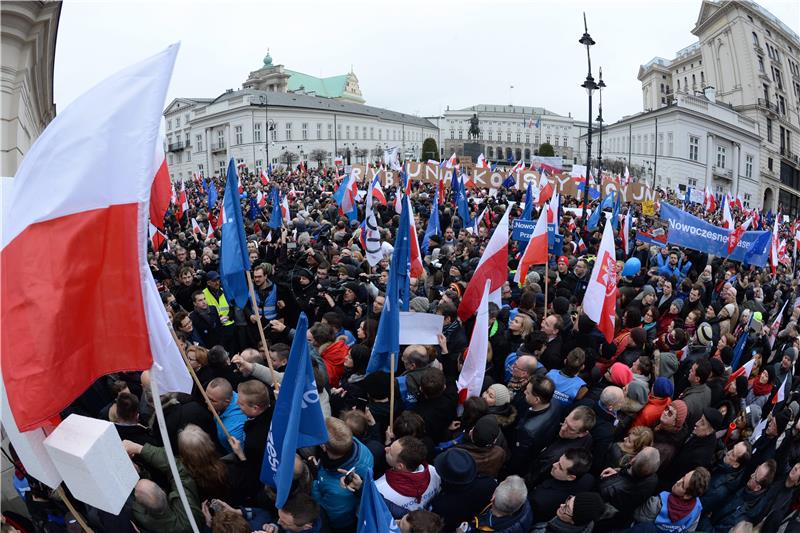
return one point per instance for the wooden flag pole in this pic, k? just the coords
(75, 513)
(546, 282)
(391, 390)
(260, 327)
(199, 385)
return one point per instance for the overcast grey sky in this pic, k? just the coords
(411, 56)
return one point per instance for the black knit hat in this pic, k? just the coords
(587, 507)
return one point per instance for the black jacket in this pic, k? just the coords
(548, 495)
(535, 431)
(551, 454)
(626, 492)
(459, 503)
(208, 326)
(696, 451)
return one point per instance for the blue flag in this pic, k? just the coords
(297, 422)
(434, 228)
(455, 184)
(758, 248)
(212, 195)
(687, 196)
(234, 257)
(615, 212)
(463, 209)
(373, 514)
(510, 180)
(738, 348)
(528, 212)
(510, 158)
(387, 339)
(254, 210)
(275, 221)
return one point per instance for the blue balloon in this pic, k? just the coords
(632, 267)
(244, 194)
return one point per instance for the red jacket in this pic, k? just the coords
(334, 356)
(651, 412)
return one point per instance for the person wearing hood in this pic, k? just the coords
(332, 351)
(666, 319)
(508, 512)
(677, 510)
(659, 398)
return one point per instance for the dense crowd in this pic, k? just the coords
(654, 431)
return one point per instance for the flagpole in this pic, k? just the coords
(197, 382)
(546, 282)
(78, 516)
(391, 389)
(173, 466)
(260, 327)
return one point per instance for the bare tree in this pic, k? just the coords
(319, 155)
(361, 153)
(288, 158)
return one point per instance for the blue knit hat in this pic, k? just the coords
(663, 388)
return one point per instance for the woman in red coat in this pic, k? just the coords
(659, 398)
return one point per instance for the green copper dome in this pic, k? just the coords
(267, 60)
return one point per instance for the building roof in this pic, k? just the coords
(332, 87)
(304, 101)
(512, 109)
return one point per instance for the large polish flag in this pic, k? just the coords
(536, 249)
(78, 298)
(470, 380)
(415, 258)
(600, 299)
(161, 191)
(492, 266)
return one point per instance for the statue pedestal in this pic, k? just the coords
(473, 150)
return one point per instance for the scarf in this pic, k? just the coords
(410, 484)
(678, 508)
(761, 389)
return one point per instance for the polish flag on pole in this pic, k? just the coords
(710, 202)
(261, 199)
(161, 191)
(210, 229)
(195, 226)
(492, 266)
(781, 394)
(264, 179)
(727, 219)
(600, 299)
(285, 213)
(183, 202)
(626, 232)
(536, 250)
(736, 235)
(545, 189)
(470, 380)
(157, 239)
(773, 253)
(743, 370)
(452, 162)
(415, 257)
(482, 163)
(50, 358)
(776, 326)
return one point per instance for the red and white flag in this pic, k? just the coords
(264, 178)
(536, 249)
(196, 227)
(780, 395)
(183, 202)
(773, 252)
(261, 199)
(285, 213)
(161, 190)
(600, 299)
(736, 235)
(52, 354)
(743, 370)
(452, 162)
(210, 229)
(157, 239)
(776, 326)
(710, 202)
(727, 219)
(415, 257)
(492, 266)
(545, 189)
(470, 380)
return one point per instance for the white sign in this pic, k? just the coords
(420, 328)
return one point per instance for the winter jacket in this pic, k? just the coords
(724, 482)
(536, 429)
(548, 495)
(649, 512)
(488, 460)
(696, 451)
(340, 504)
(697, 398)
(519, 522)
(744, 505)
(458, 503)
(625, 492)
(651, 412)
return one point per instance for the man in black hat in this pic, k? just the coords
(463, 493)
(699, 448)
(577, 514)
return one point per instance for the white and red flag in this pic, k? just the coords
(285, 213)
(196, 226)
(545, 191)
(776, 326)
(470, 380)
(102, 313)
(183, 202)
(161, 190)
(415, 257)
(210, 229)
(492, 266)
(600, 300)
(536, 249)
(727, 219)
(264, 178)
(775, 244)
(736, 235)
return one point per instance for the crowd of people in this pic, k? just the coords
(662, 429)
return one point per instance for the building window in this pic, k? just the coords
(692, 182)
(372, 133)
(237, 133)
(721, 156)
(347, 132)
(761, 64)
(491, 135)
(776, 77)
(380, 134)
(669, 143)
(178, 158)
(186, 119)
(273, 134)
(755, 39)
(748, 166)
(782, 104)
(660, 143)
(535, 139)
(452, 134)
(339, 131)
(769, 130)
(652, 143)
(304, 127)
(519, 137)
(198, 142)
(177, 122)
(171, 160)
(702, 79)
(220, 138)
(694, 147)
(547, 137)
(508, 136)
(319, 130)
(460, 134)
(257, 132)
(288, 131)
(330, 131)
(565, 141)
(679, 84)
(527, 138)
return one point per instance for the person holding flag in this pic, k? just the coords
(600, 299)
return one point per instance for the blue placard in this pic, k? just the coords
(692, 232)
(521, 230)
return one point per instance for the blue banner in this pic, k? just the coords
(521, 231)
(692, 232)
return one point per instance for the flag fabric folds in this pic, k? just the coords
(470, 380)
(275, 219)
(371, 233)
(161, 190)
(102, 313)
(234, 256)
(212, 196)
(387, 339)
(738, 348)
(297, 422)
(373, 513)
(527, 213)
(600, 300)
(536, 249)
(434, 228)
(492, 266)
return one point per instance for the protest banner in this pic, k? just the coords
(692, 232)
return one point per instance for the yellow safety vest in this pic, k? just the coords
(221, 305)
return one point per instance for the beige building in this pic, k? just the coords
(27, 50)
(751, 59)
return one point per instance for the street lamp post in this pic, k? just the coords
(600, 86)
(590, 87)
